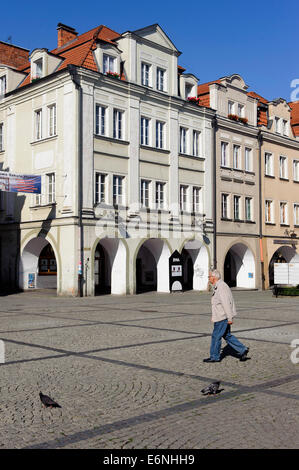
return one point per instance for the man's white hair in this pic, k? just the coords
(215, 273)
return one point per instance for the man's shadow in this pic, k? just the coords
(229, 351)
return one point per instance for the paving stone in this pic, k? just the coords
(128, 372)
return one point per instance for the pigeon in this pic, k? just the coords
(48, 402)
(211, 389)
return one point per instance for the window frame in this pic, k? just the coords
(100, 196)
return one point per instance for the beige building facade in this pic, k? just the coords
(280, 190)
(236, 211)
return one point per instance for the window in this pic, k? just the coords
(277, 125)
(296, 214)
(269, 214)
(50, 188)
(1, 137)
(296, 170)
(230, 107)
(237, 157)
(161, 79)
(38, 124)
(224, 206)
(100, 188)
(118, 189)
(100, 120)
(108, 63)
(188, 91)
(268, 164)
(38, 68)
(196, 143)
(117, 124)
(160, 203)
(183, 197)
(144, 132)
(248, 208)
(240, 110)
(144, 193)
(159, 134)
(285, 127)
(237, 207)
(3, 85)
(196, 203)
(52, 119)
(224, 154)
(145, 74)
(283, 170)
(283, 213)
(183, 140)
(248, 159)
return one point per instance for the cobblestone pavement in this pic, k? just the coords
(128, 372)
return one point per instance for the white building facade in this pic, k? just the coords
(126, 162)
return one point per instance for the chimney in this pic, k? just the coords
(65, 34)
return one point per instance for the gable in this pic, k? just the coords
(155, 34)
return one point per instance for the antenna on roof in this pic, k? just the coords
(9, 39)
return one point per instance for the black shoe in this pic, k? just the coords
(244, 355)
(211, 360)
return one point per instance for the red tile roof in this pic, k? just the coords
(203, 92)
(295, 117)
(79, 50)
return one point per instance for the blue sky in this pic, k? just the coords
(256, 39)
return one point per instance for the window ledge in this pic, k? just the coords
(270, 223)
(45, 139)
(285, 225)
(194, 157)
(225, 219)
(111, 139)
(41, 206)
(283, 179)
(269, 176)
(249, 221)
(155, 149)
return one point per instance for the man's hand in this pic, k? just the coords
(230, 322)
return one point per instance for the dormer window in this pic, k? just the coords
(277, 125)
(285, 130)
(188, 91)
(2, 85)
(108, 63)
(240, 110)
(38, 68)
(145, 74)
(161, 79)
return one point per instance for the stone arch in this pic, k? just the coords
(113, 273)
(31, 271)
(196, 264)
(283, 254)
(151, 261)
(239, 266)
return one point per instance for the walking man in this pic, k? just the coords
(223, 311)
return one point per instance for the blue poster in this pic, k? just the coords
(20, 183)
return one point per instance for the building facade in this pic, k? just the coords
(237, 196)
(125, 153)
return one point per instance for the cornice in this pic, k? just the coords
(278, 139)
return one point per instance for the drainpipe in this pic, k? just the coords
(260, 141)
(214, 160)
(76, 81)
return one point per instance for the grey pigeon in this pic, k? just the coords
(48, 402)
(211, 389)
